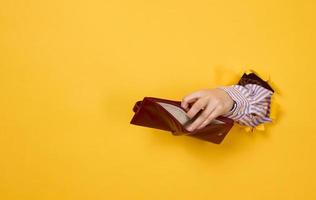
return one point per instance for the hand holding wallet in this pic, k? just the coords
(168, 115)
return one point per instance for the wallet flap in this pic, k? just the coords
(149, 114)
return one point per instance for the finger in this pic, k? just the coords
(190, 99)
(211, 117)
(203, 116)
(197, 106)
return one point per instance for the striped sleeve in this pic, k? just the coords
(252, 104)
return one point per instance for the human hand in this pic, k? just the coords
(213, 102)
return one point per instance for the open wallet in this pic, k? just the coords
(168, 115)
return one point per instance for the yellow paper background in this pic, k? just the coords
(71, 71)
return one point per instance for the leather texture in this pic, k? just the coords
(149, 113)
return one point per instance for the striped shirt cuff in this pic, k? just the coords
(252, 105)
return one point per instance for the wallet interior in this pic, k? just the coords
(181, 116)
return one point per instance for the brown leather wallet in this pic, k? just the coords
(170, 116)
